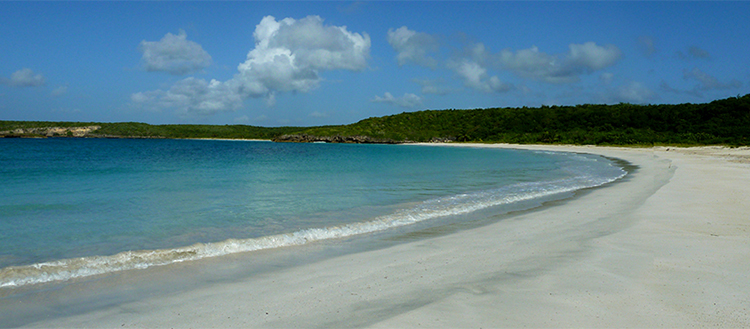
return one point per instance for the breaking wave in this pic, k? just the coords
(60, 270)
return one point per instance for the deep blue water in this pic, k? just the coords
(78, 207)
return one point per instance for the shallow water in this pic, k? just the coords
(79, 207)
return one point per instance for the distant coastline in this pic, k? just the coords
(721, 122)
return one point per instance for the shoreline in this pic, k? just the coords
(667, 247)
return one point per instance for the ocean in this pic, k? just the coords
(72, 208)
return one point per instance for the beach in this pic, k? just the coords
(666, 247)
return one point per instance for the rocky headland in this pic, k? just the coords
(50, 132)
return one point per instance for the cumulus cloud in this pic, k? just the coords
(590, 57)
(475, 76)
(634, 92)
(174, 54)
(290, 53)
(472, 68)
(407, 100)
(288, 56)
(580, 59)
(310, 44)
(433, 87)
(24, 78)
(193, 96)
(413, 47)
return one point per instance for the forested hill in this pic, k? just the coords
(725, 121)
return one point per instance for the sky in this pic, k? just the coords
(313, 63)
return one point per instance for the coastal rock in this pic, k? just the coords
(50, 131)
(359, 139)
(304, 138)
(442, 139)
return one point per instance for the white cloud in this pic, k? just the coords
(634, 92)
(580, 59)
(476, 77)
(59, 91)
(317, 114)
(313, 44)
(174, 54)
(407, 101)
(24, 78)
(589, 57)
(412, 46)
(288, 56)
(606, 77)
(433, 87)
(192, 96)
(290, 53)
(479, 53)
(472, 69)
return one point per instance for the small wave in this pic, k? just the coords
(15, 276)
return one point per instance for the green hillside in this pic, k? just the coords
(143, 130)
(725, 121)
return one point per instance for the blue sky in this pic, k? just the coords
(318, 63)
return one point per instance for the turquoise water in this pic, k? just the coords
(79, 207)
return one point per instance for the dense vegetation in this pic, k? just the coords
(10, 125)
(193, 131)
(142, 130)
(725, 121)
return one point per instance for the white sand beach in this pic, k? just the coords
(667, 247)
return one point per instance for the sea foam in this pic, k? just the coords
(66, 269)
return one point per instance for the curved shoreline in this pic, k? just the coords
(665, 248)
(512, 198)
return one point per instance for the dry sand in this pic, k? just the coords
(667, 247)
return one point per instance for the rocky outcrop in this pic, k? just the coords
(50, 131)
(304, 138)
(442, 140)
(359, 139)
